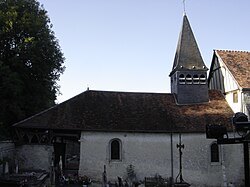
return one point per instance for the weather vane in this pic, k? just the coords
(184, 7)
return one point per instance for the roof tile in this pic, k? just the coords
(238, 63)
(129, 111)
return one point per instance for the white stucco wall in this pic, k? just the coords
(7, 151)
(150, 153)
(236, 107)
(34, 157)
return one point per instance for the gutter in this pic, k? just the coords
(245, 89)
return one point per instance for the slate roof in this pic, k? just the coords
(187, 53)
(238, 63)
(129, 111)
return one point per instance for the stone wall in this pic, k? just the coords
(150, 154)
(34, 157)
(7, 150)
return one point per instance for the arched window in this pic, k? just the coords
(188, 79)
(196, 79)
(203, 79)
(115, 149)
(182, 79)
(214, 152)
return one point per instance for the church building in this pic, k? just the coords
(122, 129)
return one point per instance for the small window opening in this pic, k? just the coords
(214, 152)
(196, 79)
(203, 79)
(115, 152)
(182, 79)
(189, 79)
(235, 97)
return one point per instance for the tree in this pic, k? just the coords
(31, 60)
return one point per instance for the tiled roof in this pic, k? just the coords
(129, 111)
(238, 63)
(187, 56)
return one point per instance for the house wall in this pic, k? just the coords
(150, 154)
(236, 107)
(34, 156)
(223, 80)
(7, 150)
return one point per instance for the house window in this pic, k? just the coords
(235, 97)
(214, 152)
(115, 149)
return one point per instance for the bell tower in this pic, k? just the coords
(189, 73)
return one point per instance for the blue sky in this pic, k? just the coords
(129, 45)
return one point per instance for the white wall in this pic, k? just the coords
(236, 107)
(34, 156)
(224, 81)
(7, 150)
(151, 154)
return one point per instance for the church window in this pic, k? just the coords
(188, 79)
(196, 79)
(235, 97)
(214, 152)
(115, 149)
(202, 79)
(182, 79)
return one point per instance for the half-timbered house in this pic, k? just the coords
(230, 73)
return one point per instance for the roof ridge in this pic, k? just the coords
(233, 51)
(129, 92)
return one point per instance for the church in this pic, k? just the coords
(117, 130)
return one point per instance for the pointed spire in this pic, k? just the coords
(187, 56)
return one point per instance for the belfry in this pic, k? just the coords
(189, 73)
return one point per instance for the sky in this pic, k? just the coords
(129, 45)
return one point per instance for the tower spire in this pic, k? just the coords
(189, 73)
(187, 54)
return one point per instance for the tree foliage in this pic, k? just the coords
(31, 60)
